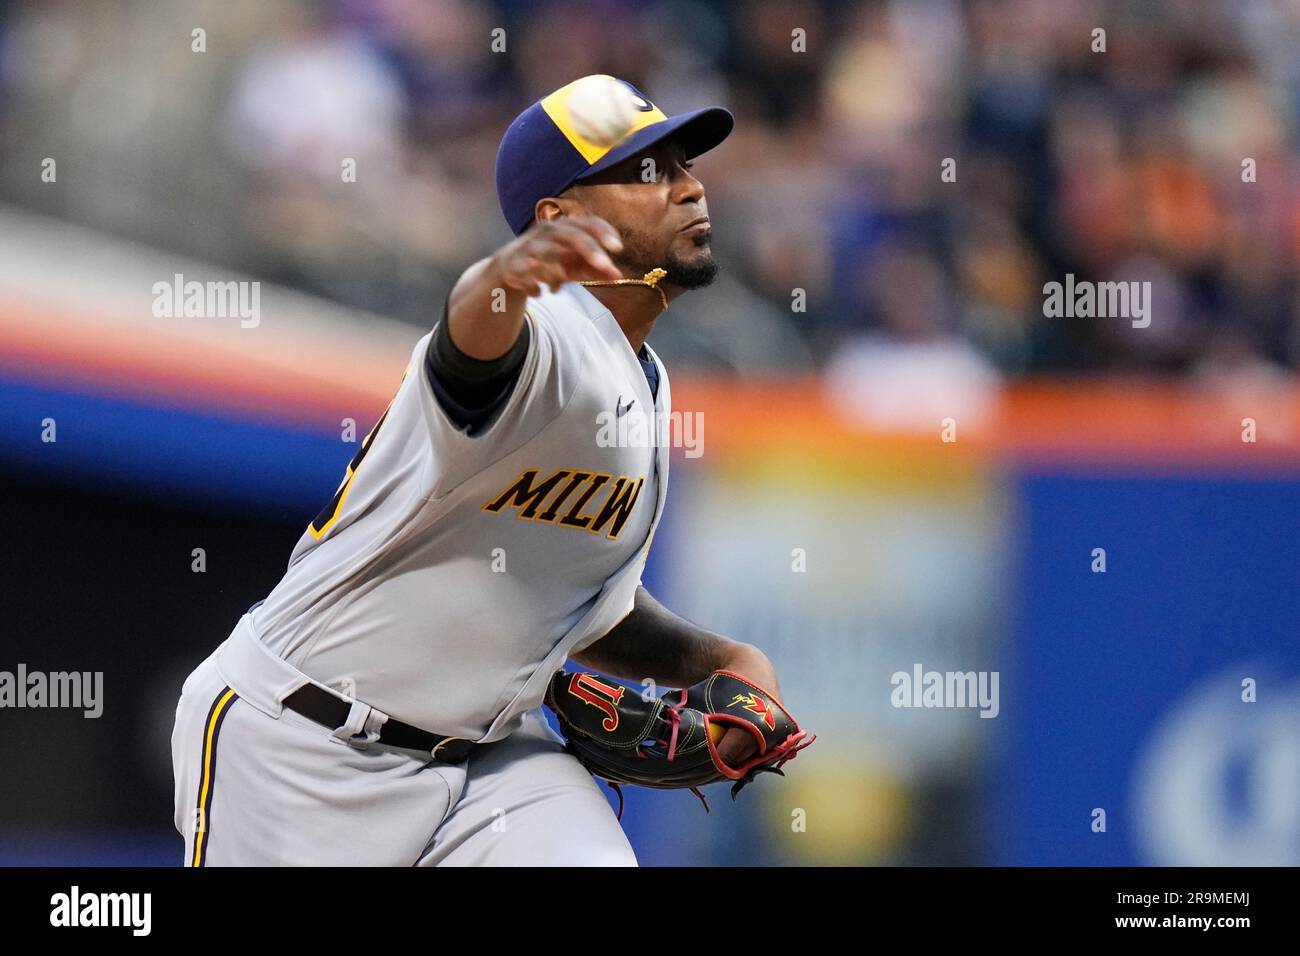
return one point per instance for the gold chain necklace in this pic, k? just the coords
(650, 279)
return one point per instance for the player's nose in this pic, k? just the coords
(687, 188)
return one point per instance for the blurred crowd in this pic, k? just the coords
(1170, 158)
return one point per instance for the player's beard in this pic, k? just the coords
(693, 272)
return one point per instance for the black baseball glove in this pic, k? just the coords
(670, 742)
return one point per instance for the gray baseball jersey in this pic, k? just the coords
(452, 573)
(443, 584)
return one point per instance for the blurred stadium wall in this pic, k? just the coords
(828, 520)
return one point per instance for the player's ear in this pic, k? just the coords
(547, 209)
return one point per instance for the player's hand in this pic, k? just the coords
(556, 251)
(737, 744)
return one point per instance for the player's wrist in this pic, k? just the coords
(749, 662)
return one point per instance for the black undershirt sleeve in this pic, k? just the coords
(471, 391)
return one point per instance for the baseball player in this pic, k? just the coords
(382, 705)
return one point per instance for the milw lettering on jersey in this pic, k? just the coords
(546, 500)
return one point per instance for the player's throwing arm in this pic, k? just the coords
(487, 304)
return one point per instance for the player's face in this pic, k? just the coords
(658, 207)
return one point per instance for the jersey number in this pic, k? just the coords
(330, 513)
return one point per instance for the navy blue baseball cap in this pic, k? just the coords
(542, 154)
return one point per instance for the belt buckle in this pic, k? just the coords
(442, 743)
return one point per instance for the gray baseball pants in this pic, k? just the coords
(258, 784)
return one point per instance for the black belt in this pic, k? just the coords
(324, 708)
